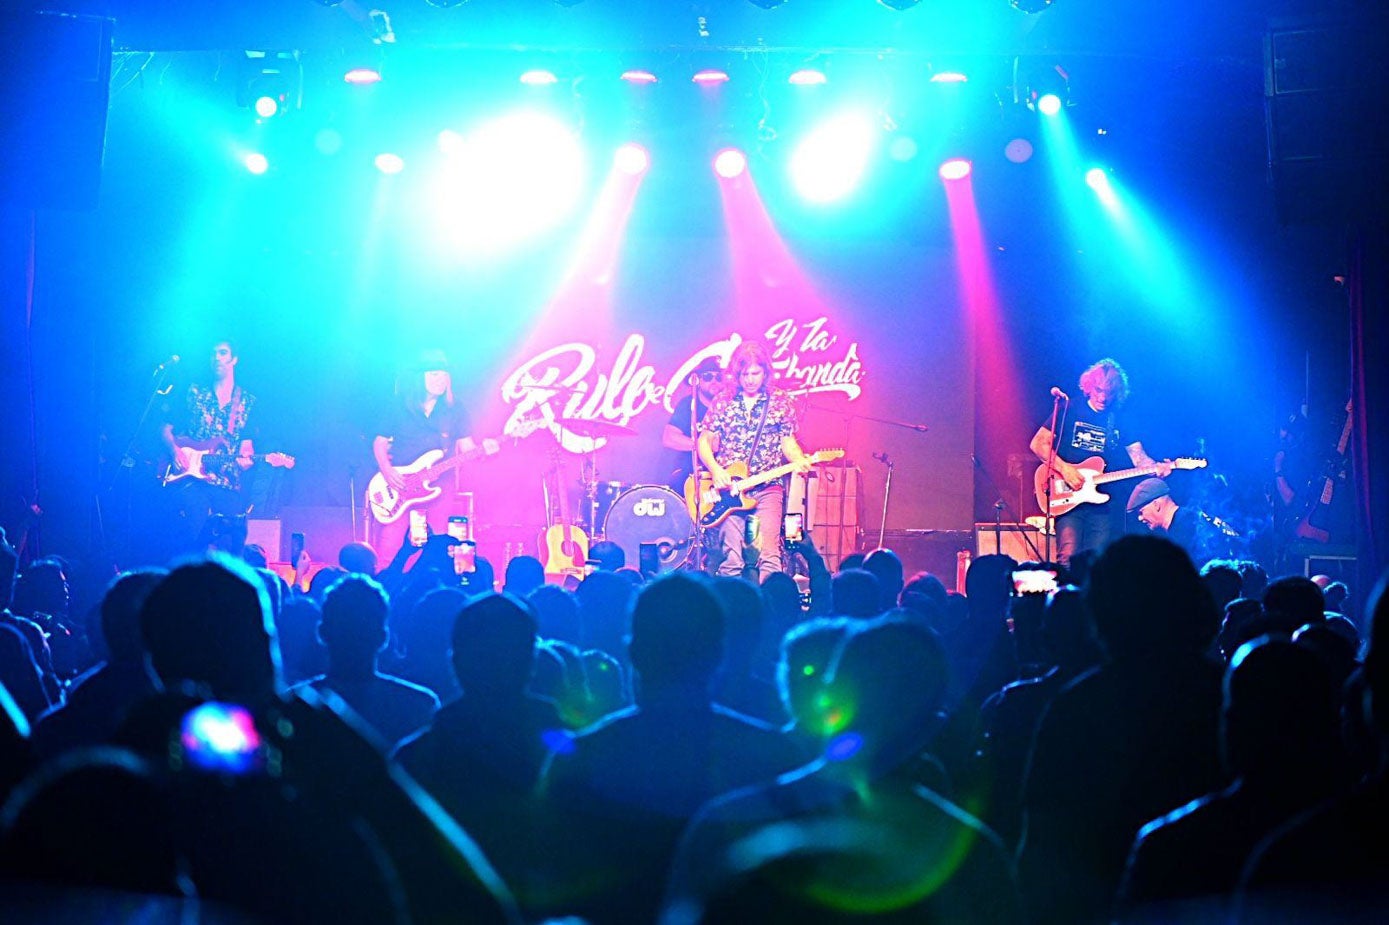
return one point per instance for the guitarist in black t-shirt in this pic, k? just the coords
(1089, 429)
(424, 419)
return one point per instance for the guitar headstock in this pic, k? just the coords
(1187, 462)
(280, 460)
(827, 455)
(525, 427)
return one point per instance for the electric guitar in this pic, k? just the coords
(214, 452)
(388, 505)
(1064, 498)
(711, 506)
(1334, 471)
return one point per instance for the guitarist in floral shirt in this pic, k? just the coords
(216, 419)
(730, 435)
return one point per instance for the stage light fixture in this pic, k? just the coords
(389, 163)
(632, 159)
(949, 77)
(270, 82)
(362, 76)
(730, 163)
(710, 77)
(256, 163)
(1049, 104)
(829, 162)
(539, 78)
(807, 77)
(639, 77)
(1030, 6)
(957, 168)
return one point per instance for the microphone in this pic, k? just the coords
(166, 364)
(881, 457)
(1057, 393)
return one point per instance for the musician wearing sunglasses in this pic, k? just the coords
(678, 436)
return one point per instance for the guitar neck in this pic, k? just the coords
(453, 462)
(1125, 473)
(770, 475)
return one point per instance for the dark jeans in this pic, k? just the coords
(1087, 527)
(771, 502)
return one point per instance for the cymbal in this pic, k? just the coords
(590, 428)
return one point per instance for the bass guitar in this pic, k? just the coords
(1064, 498)
(710, 506)
(213, 454)
(388, 505)
(1334, 471)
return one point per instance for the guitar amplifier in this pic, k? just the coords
(266, 534)
(833, 512)
(1022, 542)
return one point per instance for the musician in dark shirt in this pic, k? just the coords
(424, 417)
(1091, 428)
(678, 436)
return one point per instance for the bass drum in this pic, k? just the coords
(653, 515)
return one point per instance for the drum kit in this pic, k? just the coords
(649, 522)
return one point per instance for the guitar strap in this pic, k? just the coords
(757, 438)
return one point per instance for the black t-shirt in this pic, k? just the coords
(1085, 432)
(414, 434)
(676, 464)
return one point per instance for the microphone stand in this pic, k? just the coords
(1050, 522)
(848, 429)
(697, 548)
(999, 507)
(887, 493)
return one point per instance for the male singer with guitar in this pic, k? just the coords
(753, 423)
(216, 419)
(424, 417)
(1087, 429)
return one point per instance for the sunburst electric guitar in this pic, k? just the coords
(711, 506)
(1064, 498)
(388, 505)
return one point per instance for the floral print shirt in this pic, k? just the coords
(209, 422)
(735, 424)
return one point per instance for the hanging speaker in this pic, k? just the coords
(56, 68)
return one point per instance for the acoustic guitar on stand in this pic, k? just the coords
(563, 546)
(1064, 498)
(210, 454)
(711, 506)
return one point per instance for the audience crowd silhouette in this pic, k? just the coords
(1151, 742)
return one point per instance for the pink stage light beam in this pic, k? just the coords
(1003, 423)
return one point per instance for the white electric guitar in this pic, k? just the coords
(1064, 498)
(388, 505)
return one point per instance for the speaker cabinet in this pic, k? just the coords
(1019, 541)
(56, 70)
